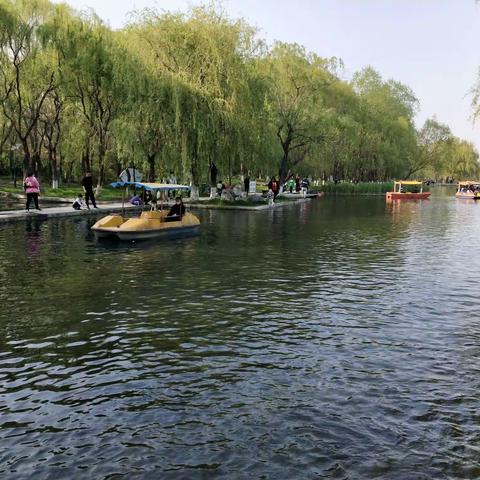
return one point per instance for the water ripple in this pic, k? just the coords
(336, 339)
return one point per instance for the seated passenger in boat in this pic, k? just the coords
(147, 197)
(136, 200)
(176, 212)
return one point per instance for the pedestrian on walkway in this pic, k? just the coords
(87, 184)
(213, 174)
(32, 189)
(246, 184)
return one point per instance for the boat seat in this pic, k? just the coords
(153, 214)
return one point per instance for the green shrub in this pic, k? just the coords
(347, 188)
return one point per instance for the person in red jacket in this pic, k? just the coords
(274, 187)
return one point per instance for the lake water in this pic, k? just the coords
(338, 338)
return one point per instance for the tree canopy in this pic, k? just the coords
(181, 92)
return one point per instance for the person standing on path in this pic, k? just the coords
(213, 174)
(291, 184)
(87, 184)
(32, 189)
(246, 184)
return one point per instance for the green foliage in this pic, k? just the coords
(348, 188)
(69, 191)
(180, 92)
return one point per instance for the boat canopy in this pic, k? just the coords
(398, 186)
(151, 186)
(409, 182)
(468, 182)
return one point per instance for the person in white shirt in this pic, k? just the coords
(78, 203)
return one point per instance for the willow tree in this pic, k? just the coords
(297, 102)
(204, 54)
(50, 122)
(145, 125)
(91, 66)
(387, 115)
(433, 138)
(463, 161)
(444, 156)
(28, 68)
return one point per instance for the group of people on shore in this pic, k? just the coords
(87, 184)
(31, 187)
(297, 184)
(291, 184)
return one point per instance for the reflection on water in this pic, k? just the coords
(334, 339)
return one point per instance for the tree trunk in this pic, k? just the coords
(101, 175)
(151, 167)
(101, 166)
(86, 160)
(283, 170)
(118, 167)
(26, 157)
(36, 163)
(52, 161)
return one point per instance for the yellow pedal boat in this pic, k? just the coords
(468, 190)
(150, 224)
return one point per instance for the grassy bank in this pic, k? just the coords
(65, 191)
(346, 188)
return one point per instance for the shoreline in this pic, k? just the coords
(10, 216)
(206, 206)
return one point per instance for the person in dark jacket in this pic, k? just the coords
(213, 174)
(306, 184)
(176, 212)
(297, 184)
(246, 184)
(274, 187)
(87, 184)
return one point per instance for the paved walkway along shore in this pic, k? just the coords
(68, 211)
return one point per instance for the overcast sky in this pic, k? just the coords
(431, 45)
